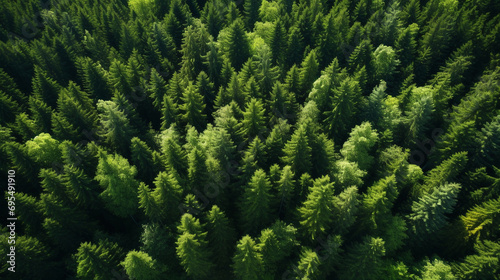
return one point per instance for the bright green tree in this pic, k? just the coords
(117, 177)
(247, 261)
(298, 152)
(364, 260)
(139, 265)
(316, 211)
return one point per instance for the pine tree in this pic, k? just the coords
(115, 126)
(94, 78)
(437, 269)
(140, 265)
(117, 177)
(364, 260)
(429, 212)
(44, 87)
(278, 44)
(254, 120)
(286, 191)
(213, 62)
(197, 170)
(298, 152)
(491, 143)
(308, 74)
(206, 89)
(357, 148)
(251, 8)
(194, 45)
(80, 187)
(480, 221)
(97, 261)
(445, 172)
(192, 248)
(193, 107)
(345, 102)
(221, 236)
(384, 63)
(420, 114)
(167, 195)
(238, 45)
(276, 244)
(348, 174)
(309, 265)
(256, 203)
(316, 211)
(247, 262)
(345, 209)
(483, 265)
(142, 157)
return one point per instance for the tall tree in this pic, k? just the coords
(298, 152)
(256, 203)
(117, 177)
(247, 262)
(316, 211)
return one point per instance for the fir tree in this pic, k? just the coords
(316, 211)
(193, 107)
(364, 260)
(298, 152)
(256, 204)
(247, 262)
(140, 265)
(117, 177)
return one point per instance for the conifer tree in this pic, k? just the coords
(286, 191)
(437, 269)
(253, 123)
(167, 195)
(97, 261)
(238, 45)
(192, 248)
(357, 148)
(256, 203)
(139, 265)
(44, 87)
(94, 78)
(221, 236)
(364, 260)
(316, 211)
(309, 265)
(142, 158)
(298, 152)
(276, 244)
(247, 262)
(345, 209)
(480, 221)
(483, 264)
(251, 8)
(429, 212)
(117, 177)
(308, 73)
(116, 128)
(193, 107)
(345, 102)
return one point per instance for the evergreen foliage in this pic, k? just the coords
(250, 139)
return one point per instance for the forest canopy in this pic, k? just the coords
(251, 139)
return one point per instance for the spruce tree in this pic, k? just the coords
(357, 148)
(193, 107)
(256, 203)
(192, 248)
(139, 265)
(309, 265)
(429, 212)
(238, 45)
(364, 260)
(298, 152)
(247, 261)
(316, 211)
(117, 177)
(97, 261)
(221, 236)
(254, 119)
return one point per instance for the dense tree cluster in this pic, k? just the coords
(255, 139)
